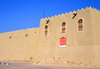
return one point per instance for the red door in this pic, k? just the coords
(63, 42)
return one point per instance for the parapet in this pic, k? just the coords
(91, 8)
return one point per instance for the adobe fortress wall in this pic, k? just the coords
(81, 48)
(32, 45)
(19, 45)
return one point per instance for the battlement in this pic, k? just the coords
(87, 8)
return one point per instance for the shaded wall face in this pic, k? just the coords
(18, 45)
(95, 19)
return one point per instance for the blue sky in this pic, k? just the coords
(23, 14)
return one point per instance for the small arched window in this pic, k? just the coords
(80, 24)
(63, 27)
(46, 30)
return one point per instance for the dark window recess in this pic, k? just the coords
(46, 30)
(63, 27)
(74, 15)
(26, 35)
(80, 25)
(80, 21)
(46, 27)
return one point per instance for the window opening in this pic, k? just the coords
(63, 27)
(46, 30)
(80, 25)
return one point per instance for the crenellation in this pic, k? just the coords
(62, 14)
(71, 12)
(59, 14)
(87, 8)
(91, 7)
(74, 11)
(83, 9)
(77, 9)
(95, 9)
(55, 16)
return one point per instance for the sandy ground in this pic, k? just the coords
(15, 65)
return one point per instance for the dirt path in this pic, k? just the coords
(15, 65)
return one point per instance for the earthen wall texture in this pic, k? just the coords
(18, 45)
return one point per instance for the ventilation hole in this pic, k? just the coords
(26, 35)
(9, 37)
(59, 58)
(31, 58)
